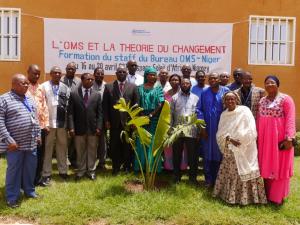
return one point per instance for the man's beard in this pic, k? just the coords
(187, 91)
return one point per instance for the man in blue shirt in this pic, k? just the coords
(210, 109)
(20, 134)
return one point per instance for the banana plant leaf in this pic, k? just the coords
(144, 136)
(163, 126)
(139, 121)
(122, 106)
(135, 110)
(183, 130)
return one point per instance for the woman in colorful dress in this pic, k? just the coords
(174, 81)
(238, 180)
(151, 99)
(276, 132)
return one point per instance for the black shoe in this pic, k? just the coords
(209, 185)
(34, 196)
(115, 172)
(176, 179)
(12, 204)
(101, 167)
(64, 176)
(37, 181)
(91, 176)
(194, 181)
(78, 178)
(45, 181)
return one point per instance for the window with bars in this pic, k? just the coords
(10, 34)
(271, 40)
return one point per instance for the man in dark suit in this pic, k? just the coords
(72, 81)
(85, 123)
(121, 152)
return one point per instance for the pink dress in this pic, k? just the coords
(168, 152)
(275, 122)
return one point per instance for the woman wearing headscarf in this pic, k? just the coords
(238, 180)
(276, 132)
(151, 100)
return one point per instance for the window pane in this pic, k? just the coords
(253, 32)
(261, 32)
(275, 31)
(5, 46)
(269, 31)
(289, 53)
(260, 53)
(290, 33)
(282, 53)
(283, 32)
(253, 53)
(271, 40)
(6, 24)
(15, 46)
(275, 56)
(9, 34)
(268, 52)
(14, 23)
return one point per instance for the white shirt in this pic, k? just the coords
(166, 88)
(99, 88)
(136, 79)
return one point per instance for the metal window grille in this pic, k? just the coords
(272, 40)
(10, 34)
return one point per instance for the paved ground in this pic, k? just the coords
(14, 221)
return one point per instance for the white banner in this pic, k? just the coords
(108, 44)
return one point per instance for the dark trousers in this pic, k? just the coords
(192, 153)
(120, 151)
(20, 173)
(40, 157)
(101, 150)
(211, 169)
(72, 152)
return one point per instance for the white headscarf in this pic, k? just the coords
(239, 124)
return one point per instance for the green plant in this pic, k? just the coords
(164, 135)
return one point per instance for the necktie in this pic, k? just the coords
(121, 88)
(86, 97)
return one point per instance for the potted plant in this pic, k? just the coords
(164, 135)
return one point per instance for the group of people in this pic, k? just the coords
(246, 147)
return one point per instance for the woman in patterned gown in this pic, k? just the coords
(238, 180)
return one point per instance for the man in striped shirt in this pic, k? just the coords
(20, 133)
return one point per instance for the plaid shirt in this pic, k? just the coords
(256, 94)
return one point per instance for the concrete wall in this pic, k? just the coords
(229, 11)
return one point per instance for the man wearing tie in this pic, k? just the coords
(85, 123)
(121, 152)
(72, 81)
